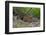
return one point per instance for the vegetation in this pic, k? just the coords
(35, 12)
(26, 17)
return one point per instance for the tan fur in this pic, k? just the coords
(27, 19)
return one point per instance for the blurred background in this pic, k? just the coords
(26, 17)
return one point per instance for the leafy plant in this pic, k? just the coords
(35, 12)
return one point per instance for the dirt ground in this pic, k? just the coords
(20, 24)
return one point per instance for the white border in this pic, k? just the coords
(11, 5)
